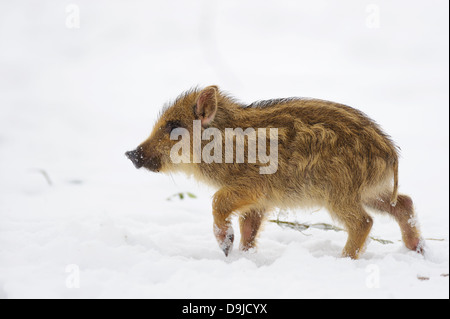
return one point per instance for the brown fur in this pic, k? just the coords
(329, 155)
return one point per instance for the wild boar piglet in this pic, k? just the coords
(281, 153)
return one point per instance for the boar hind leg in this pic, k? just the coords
(403, 212)
(250, 223)
(358, 225)
(227, 201)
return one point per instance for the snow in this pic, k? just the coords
(77, 220)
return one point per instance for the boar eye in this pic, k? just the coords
(171, 125)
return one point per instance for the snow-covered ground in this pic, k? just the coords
(77, 220)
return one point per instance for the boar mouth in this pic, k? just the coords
(153, 164)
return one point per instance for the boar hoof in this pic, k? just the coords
(417, 245)
(225, 238)
(227, 244)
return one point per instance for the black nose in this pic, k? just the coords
(137, 157)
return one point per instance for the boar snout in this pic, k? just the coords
(140, 159)
(136, 157)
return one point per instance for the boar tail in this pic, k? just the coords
(395, 191)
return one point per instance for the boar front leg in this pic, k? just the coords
(227, 201)
(250, 223)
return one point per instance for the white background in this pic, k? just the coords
(76, 94)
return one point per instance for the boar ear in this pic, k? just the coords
(206, 106)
